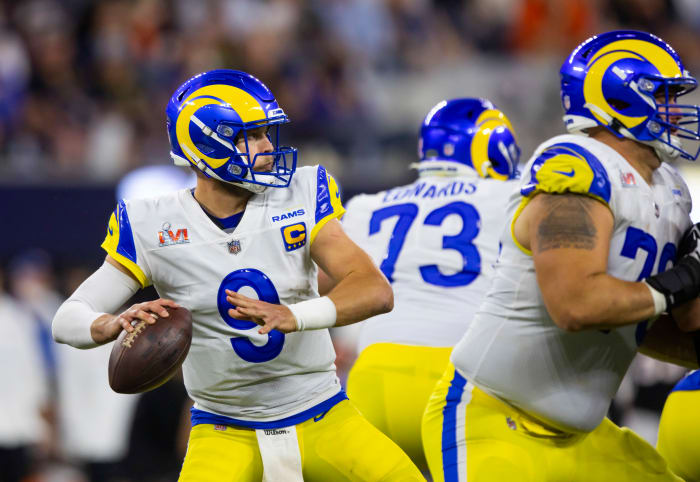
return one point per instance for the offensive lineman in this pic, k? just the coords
(436, 241)
(581, 276)
(242, 246)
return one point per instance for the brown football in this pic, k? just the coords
(147, 357)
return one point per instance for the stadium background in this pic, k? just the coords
(83, 87)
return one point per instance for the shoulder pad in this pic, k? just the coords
(119, 242)
(567, 167)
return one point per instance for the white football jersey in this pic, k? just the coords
(513, 349)
(436, 240)
(231, 370)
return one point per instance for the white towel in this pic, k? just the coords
(279, 449)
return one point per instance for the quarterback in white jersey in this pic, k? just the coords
(436, 240)
(587, 264)
(240, 252)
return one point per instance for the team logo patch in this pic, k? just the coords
(288, 215)
(511, 423)
(627, 179)
(294, 236)
(167, 238)
(234, 246)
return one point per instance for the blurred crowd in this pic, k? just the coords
(83, 87)
(83, 83)
(61, 420)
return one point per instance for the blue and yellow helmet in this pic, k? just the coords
(629, 81)
(211, 112)
(470, 132)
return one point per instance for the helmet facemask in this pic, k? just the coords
(670, 121)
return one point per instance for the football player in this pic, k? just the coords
(240, 252)
(679, 428)
(586, 267)
(436, 241)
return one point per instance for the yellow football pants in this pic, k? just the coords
(679, 433)
(469, 435)
(390, 384)
(339, 446)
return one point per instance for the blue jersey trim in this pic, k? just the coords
(126, 246)
(450, 460)
(323, 195)
(231, 221)
(690, 382)
(201, 417)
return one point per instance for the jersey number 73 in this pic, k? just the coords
(461, 242)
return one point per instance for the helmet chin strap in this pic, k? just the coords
(664, 152)
(485, 168)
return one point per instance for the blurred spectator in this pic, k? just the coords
(553, 26)
(24, 431)
(649, 15)
(14, 77)
(94, 422)
(31, 280)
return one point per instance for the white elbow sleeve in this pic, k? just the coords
(105, 291)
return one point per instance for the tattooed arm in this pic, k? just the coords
(569, 236)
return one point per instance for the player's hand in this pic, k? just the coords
(690, 243)
(269, 316)
(681, 283)
(107, 327)
(148, 311)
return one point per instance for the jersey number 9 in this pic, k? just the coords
(266, 291)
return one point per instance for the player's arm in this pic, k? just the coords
(676, 339)
(666, 342)
(569, 236)
(86, 319)
(360, 290)
(325, 283)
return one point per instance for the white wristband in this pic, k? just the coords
(659, 300)
(314, 314)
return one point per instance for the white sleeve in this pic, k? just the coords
(105, 291)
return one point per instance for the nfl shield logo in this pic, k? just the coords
(234, 246)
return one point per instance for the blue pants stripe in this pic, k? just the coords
(450, 454)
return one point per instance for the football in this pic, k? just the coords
(150, 355)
